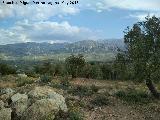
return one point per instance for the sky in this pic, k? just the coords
(87, 20)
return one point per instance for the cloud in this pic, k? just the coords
(34, 21)
(47, 31)
(44, 12)
(142, 15)
(35, 12)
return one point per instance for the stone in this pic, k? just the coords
(41, 109)
(102, 91)
(1, 104)
(5, 114)
(7, 91)
(48, 93)
(6, 94)
(19, 103)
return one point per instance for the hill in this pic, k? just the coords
(86, 47)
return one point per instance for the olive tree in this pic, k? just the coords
(143, 49)
(75, 63)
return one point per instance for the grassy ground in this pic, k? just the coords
(97, 99)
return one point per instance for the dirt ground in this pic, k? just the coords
(118, 109)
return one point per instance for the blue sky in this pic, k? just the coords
(90, 19)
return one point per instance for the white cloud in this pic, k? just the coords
(142, 15)
(44, 12)
(35, 12)
(35, 25)
(45, 32)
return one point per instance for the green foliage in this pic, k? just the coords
(83, 90)
(65, 81)
(74, 64)
(100, 100)
(92, 71)
(6, 69)
(80, 91)
(106, 71)
(48, 68)
(143, 47)
(22, 81)
(70, 115)
(45, 78)
(134, 97)
(75, 116)
(94, 88)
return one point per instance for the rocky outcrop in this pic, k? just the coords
(38, 103)
(41, 109)
(19, 103)
(5, 113)
(6, 93)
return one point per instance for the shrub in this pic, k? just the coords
(134, 97)
(75, 115)
(45, 78)
(80, 91)
(65, 81)
(21, 81)
(6, 69)
(100, 100)
(94, 88)
(70, 115)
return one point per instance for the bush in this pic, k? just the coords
(71, 115)
(45, 78)
(100, 100)
(65, 81)
(75, 115)
(94, 88)
(80, 91)
(21, 81)
(134, 97)
(6, 69)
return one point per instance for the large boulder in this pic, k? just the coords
(5, 114)
(41, 109)
(48, 93)
(45, 104)
(40, 92)
(19, 103)
(38, 104)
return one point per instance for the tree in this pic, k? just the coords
(74, 64)
(143, 49)
(6, 69)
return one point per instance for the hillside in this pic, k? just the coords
(87, 47)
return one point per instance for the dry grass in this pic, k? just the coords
(6, 84)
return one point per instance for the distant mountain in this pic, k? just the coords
(86, 46)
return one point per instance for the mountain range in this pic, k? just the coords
(83, 47)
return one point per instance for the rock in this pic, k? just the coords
(45, 104)
(5, 114)
(7, 91)
(18, 96)
(1, 104)
(41, 109)
(60, 100)
(19, 103)
(102, 91)
(48, 93)
(6, 94)
(40, 92)
(39, 103)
